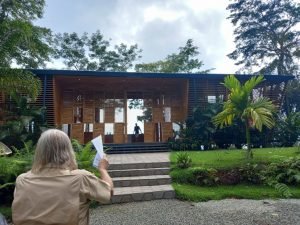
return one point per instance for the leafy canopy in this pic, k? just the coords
(22, 44)
(17, 81)
(266, 35)
(93, 52)
(186, 61)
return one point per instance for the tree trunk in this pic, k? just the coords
(248, 139)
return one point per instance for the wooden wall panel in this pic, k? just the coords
(77, 132)
(148, 132)
(177, 114)
(88, 115)
(67, 116)
(119, 136)
(109, 115)
(98, 130)
(67, 98)
(157, 115)
(167, 131)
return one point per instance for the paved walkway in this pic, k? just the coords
(138, 158)
(175, 212)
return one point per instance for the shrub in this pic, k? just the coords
(10, 168)
(202, 176)
(183, 160)
(84, 154)
(229, 177)
(196, 176)
(287, 172)
(182, 176)
(251, 173)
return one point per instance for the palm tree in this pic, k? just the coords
(254, 113)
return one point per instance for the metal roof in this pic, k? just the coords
(46, 72)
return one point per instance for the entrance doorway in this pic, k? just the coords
(135, 123)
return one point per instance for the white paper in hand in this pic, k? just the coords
(97, 142)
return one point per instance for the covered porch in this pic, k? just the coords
(87, 106)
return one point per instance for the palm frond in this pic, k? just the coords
(224, 118)
(231, 82)
(265, 103)
(261, 113)
(252, 83)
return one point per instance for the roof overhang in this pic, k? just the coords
(242, 77)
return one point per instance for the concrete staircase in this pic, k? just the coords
(141, 180)
(137, 148)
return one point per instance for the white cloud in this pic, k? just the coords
(159, 27)
(153, 12)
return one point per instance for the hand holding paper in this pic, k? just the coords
(97, 142)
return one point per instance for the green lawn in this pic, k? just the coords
(233, 158)
(226, 159)
(197, 193)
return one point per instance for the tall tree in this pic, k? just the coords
(93, 52)
(71, 48)
(186, 61)
(266, 35)
(254, 113)
(22, 43)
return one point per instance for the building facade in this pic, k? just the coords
(86, 104)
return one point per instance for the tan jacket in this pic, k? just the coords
(57, 197)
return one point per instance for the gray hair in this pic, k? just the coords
(54, 149)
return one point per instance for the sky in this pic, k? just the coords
(159, 27)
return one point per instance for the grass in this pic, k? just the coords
(241, 191)
(226, 159)
(222, 159)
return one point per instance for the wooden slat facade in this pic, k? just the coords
(201, 89)
(46, 99)
(77, 100)
(84, 103)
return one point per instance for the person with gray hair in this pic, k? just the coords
(55, 191)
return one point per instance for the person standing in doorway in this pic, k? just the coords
(137, 130)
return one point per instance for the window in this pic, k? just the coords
(88, 127)
(211, 99)
(119, 115)
(66, 128)
(176, 130)
(99, 115)
(109, 129)
(78, 112)
(167, 114)
(147, 115)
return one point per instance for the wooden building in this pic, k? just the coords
(86, 104)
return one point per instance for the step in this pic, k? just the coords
(139, 172)
(143, 165)
(137, 148)
(141, 181)
(126, 151)
(142, 193)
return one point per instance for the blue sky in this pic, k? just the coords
(159, 27)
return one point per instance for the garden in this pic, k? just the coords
(240, 171)
(219, 174)
(223, 151)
